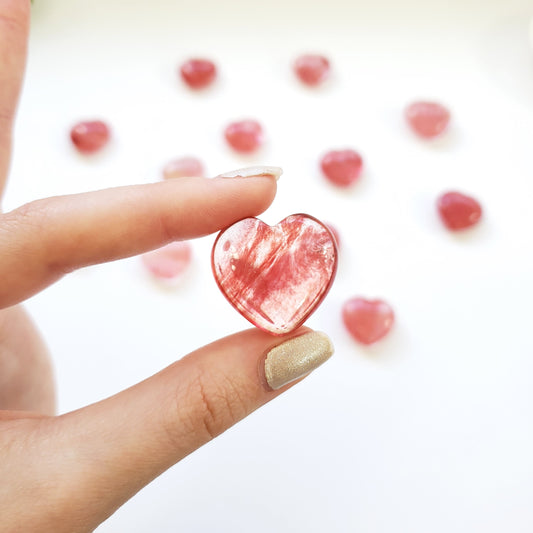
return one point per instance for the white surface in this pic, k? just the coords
(432, 430)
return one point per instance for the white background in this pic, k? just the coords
(429, 431)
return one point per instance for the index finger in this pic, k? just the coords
(43, 240)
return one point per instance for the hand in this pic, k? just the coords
(68, 473)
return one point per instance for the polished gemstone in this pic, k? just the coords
(183, 167)
(335, 233)
(427, 119)
(275, 276)
(90, 136)
(198, 73)
(368, 321)
(342, 167)
(170, 261)
(312, 69)
(458, 211)
(244, 136)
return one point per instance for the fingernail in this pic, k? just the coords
(249, 172)
(296, 358)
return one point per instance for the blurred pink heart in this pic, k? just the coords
(170, 261)
(368, 321)
(275, 276)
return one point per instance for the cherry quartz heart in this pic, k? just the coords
(368, 321)
(275, 276)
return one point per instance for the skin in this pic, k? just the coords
(69, 473)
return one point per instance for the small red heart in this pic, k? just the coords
(367, 320)
(275, 276)
(458, 211)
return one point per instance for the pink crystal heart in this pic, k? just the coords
(368, 321)
(275, 276)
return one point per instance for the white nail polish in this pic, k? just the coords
(249, 172)
(296, 358)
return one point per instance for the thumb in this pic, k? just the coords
(108, 451)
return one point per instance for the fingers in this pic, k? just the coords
(14, 26)
(106, 452)
(43, 240)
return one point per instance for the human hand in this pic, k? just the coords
(68, 473)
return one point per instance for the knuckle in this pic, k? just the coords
(29, 231)
(29, 218)
(31, 214)
(206, 407)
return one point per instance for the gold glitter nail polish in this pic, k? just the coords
(296, 358)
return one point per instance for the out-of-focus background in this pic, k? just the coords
(430, 430)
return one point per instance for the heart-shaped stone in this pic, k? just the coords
(368, 321)
(458, 211)
(275, 276)
(169, 262)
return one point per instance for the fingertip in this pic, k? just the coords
(247, 172)
(259, 190)
(295, 358)
(266, 192)
(272, 362)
